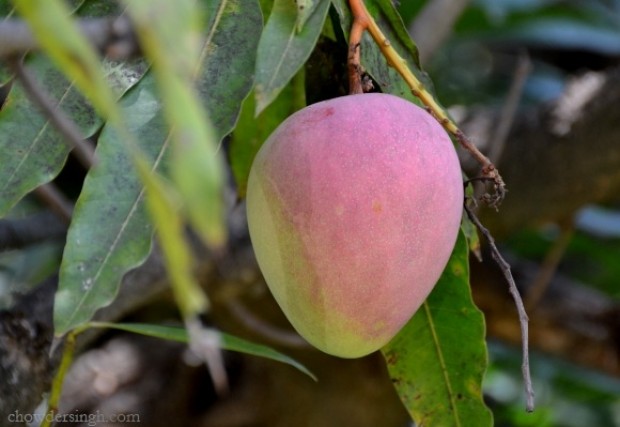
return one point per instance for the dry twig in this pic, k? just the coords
(523, 319)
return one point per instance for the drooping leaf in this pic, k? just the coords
(110, 232)
(33, 152)
(228, 342)
(169, 34)
(437, 361)
(178, 259)
(283, 50)
(113, 195)
(252, 131)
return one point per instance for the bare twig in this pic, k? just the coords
(58, 203)
(549, 266)
(355, 40)
(265, 329)
(523, 319)
(37, 228)
(433, 25)
(205, 343)
(83, 150)
(112, 36)
(509, 108)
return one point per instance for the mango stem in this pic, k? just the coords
(362, 21)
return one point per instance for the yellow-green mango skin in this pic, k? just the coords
(354, 205)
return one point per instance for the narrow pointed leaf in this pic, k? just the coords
(228, 60)
(33, 152)
(111, 231)
(169, 35)
(60, 38)
(177, 254)
(437, 362)
(252, 131)
(113, 195)
(228, 342)
(283, 50)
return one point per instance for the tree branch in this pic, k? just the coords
(113, 37)
(433, 25)
(37, 228)
(83, 150)
(552, 173)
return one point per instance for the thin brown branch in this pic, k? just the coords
(113, 37)
(542, 280)
(355, 40)
(263, 328)
(23, 232)
(82, 149)
(509, 109)
(57, 202)
(523, 319)
(363, 19)
(433, 25)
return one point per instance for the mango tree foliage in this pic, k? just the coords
(244, 80)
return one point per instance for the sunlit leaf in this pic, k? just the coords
(283, 50)
(177, 255)
(228, 342)
(437, 362)
(169, 33)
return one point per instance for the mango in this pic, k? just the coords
(354, 206)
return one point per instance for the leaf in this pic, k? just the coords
(113, 195)
(168, 33)
(282, 50)
(305, 8)
(110, 232)
(251, 131)
(33, 152)
(60, 38)
(229, 59)
(437, 361)
(372, 59)
(228, 342)
(178, 259)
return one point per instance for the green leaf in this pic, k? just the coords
(112, 197)
(305, 8)
(110, 232)
(169, 33)
(178, 258)
(229, 59)
(373, 61)
(251, 131)
(60, 38)
(228, 342)
(283, 50)
(437, 362)
(33, 152)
